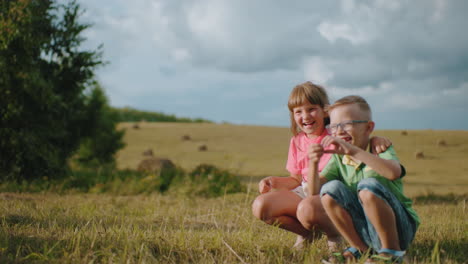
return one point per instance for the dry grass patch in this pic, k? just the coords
(50, 228)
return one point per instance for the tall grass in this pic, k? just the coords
(172, 228)
(205, 180)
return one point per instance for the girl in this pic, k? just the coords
(288, 206)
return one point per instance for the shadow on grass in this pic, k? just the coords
(432, 198)
(14, 219)
(445, 250)
(27, 249)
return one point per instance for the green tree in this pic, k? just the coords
(105, 140)
(44, 74)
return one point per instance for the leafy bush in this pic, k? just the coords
(209, 181)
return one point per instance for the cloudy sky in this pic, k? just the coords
(237, 60)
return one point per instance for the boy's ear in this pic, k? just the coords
(370, 127)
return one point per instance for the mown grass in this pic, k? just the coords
(170, 228)
(123, 218)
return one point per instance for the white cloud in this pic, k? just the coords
(181, 54)
(461, 91)
(381, 90)
(333, 32)
(439, 10)
(316, 70)
(207, 21)
(411, 101)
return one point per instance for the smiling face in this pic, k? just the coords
(309, 118)
(359, 133)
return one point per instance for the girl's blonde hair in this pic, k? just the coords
(313, 93)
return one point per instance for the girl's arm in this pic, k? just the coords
(272, 182)
(314, 180)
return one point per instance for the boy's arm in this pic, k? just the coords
(389, 169)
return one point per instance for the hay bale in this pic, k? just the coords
(404, 133)
(155, 164)
(202, 148)
(148, 152)
(419, 155)
(186, 138)
(441, 143)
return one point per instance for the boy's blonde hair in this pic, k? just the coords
(352, 99)
(313, 93)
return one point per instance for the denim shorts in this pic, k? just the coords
(350, 202)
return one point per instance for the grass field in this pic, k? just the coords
(172, 228)
(255, 151)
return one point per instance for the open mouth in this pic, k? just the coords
(308, 124)
(347, 139)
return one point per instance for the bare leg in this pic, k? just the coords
(381, 216)
(343, 222)
(312, 216)
(279, 208)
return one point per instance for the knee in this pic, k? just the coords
(260, 208)
(366, 190)
(366, 196)
(327, 201)
(308, 211)
(331, 187)
(368, 183)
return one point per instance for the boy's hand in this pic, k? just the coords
(315, 152)
(340, 146)
(265, 185)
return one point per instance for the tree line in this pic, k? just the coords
(128, 114)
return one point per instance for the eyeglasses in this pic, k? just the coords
(346, 126)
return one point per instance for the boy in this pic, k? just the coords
(362, 193)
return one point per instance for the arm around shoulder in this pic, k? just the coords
(388, 168)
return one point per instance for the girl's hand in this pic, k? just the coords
(315, 152)
(265, 185)
(379, 144)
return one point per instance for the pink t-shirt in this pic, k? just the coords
(298, 160)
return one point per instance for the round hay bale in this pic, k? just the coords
(419, 155)
(186, 138)
(404, 133)
(202, 148)
(148, 152)
(155, 164)
(441, 143)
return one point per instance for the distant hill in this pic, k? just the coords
(127, 114)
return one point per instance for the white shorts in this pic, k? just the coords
(301, 190)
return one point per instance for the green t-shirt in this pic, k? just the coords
(344, 169)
